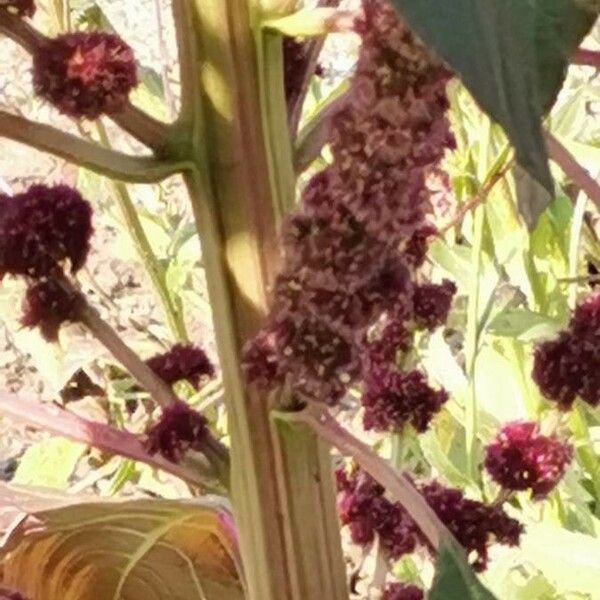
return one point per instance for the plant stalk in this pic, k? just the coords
(281, 481)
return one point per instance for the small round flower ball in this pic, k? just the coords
(47, 305)
(182, 361)
(402, 591)
(392, 399)
(22, 8)
(41, 228)
(85, 74)
(432, 303)
(179, 429)
(521, 458)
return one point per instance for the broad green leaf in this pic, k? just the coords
(511, 55)
(454, 579)
(49, 463)
(524, 325)
(70, 548)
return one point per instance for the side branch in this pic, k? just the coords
(146, 129)
(398, 486)
(110, 163)
(570, 167)
(71, 426)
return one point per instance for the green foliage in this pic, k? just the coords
(454, 578)
(49, 463)
(512, 56)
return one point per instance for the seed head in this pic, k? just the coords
(41, 228)
(521, 458)
(47, 305)
(179, 429)
(182, 361)
(85, 74)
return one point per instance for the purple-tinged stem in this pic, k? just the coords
(397, 485)
(584, 56)
(108, 439)
(578, 174)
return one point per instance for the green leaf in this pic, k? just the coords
(454, 579)
(74, 548)
(49, 463)
(511, 55)
(524, 325)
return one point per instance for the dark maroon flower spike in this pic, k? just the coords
(23, 8)
(41, 228)
(432, 303)
(569, 366)
(393, 399)
(475, 525)
(85, 74)
(346, 263)
(48, 304)
(521, 458)
(364, 508)
(179, 429)
(182, 361)
(402, 591)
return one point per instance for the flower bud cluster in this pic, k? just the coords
(41, 231)
(352, 247)
(569, 366)
(521, 458)
(365, 509)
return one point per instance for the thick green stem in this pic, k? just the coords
(281, 481)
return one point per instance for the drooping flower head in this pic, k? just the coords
(475, 525)
(48, 304)
(182, 361)
(569, 366)
(179, 429)
(393, 399)
(521, 458)
(41, 228)
(365, 509)
(23, 8)
(402, 591)
(85, 74)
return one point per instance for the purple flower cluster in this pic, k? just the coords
(521, 458)
(475, 525)
(432, 303)
(182, 361)
(47, 305)
(364, 508)
(41, 228)
(402, 591)
(179, 429)
(569, 366)
(85, 74)
(23, 8)
(392, 399)
(351, 248)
